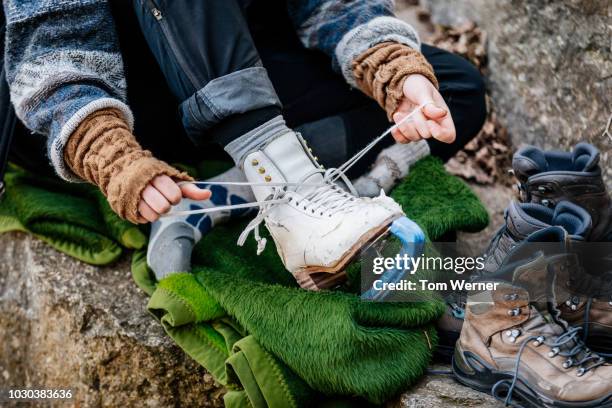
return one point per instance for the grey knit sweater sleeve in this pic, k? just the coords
(62, 63)
(345, 29)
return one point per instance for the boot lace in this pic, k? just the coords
(326, 197)
(567, 344)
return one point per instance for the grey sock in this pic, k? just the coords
(173, 238)
(390, 167)
(170, 251)
(255, 139)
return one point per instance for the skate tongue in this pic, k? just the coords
(294, 161)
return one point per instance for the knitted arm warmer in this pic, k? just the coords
(104, 152)
(381, 70)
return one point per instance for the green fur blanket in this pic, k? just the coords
(243, 317)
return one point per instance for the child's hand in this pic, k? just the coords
(434, 120)
(163, 192)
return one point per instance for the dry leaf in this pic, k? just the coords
(487, 157)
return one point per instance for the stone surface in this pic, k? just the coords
(441, 390)
(64, 324)
(550, 67)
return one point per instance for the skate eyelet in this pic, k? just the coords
(568, 363)
(268, 179)
(553, 352)
(511, 296)
(580, 372)
(254, 162)
(538, 341)
(261, 170)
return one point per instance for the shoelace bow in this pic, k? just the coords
(571, 336)
(326, 196)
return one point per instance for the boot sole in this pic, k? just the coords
(483, 379)
(322, 277)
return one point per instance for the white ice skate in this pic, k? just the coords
(318, 227)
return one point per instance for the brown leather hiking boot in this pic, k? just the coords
(594, 316)
(549, 177)
(513, 347)
(524, 223)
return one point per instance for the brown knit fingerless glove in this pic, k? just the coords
(381, 70)
(103, 151)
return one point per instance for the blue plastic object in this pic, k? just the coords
(413, 239)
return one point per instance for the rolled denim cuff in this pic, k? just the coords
(239, 92)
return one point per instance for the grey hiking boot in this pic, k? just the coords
(524, 219)
(549, 177)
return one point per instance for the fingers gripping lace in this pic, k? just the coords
(326, 197)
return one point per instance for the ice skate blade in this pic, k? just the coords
(326, 277)
(412, 238)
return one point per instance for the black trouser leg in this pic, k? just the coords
(205, 52)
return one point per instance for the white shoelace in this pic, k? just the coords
(326, 197)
